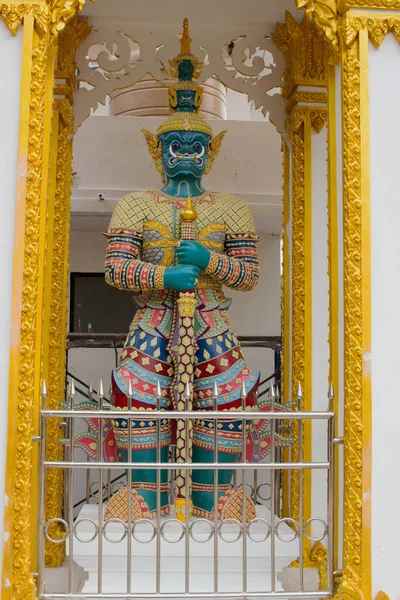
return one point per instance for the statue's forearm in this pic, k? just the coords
(134, 275)
(124, 269)
(238, 268)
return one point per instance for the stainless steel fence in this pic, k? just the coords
(202, 558)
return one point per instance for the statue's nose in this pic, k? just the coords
(187, 149)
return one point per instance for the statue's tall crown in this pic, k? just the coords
(185, 95)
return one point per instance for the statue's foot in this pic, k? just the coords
(230, 506)
(117, 507)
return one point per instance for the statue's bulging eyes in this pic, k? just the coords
(198, 147)
(175, 146)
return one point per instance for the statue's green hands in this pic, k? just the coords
(193, 253)
(181, 278)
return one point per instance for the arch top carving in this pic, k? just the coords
(325, 15)
(113, 58)
(51, 16)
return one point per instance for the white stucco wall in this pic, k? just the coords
(385, 270)
(320, 320)
(10, 69)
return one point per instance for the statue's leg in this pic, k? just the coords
(143, 450)
(203, 481)
(144, 364)
(219, 361)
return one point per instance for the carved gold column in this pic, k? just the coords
(305, 51)
(40, 239)
(351, 31)
(56, 297)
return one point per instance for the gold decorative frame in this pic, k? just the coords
(40, 270)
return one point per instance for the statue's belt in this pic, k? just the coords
(208, 283)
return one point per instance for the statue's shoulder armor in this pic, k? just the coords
(236, 213)
(132, 211)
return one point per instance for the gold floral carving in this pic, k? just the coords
(306, 52)
(22, 582)
(316, 116)
(13, 15)
(298, 291)
(374, 4)
(62, 11)
(377, 26)
(353, 549)
(69, 39)
(306, 96)
(52, 15)
(317, 558)
(324, 13)
(59, 196)
(54, 553)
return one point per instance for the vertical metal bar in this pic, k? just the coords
(272, 482)
(187, 495)
(108, 484)
(300, 442)
(90, 396)
(87, 482)
(216, 486)
(158, 494)
(129, 492)
(42, 471)
(244, 490)
(100, 495)
(71, 492)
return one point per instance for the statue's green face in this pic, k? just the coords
(185, 70)
(186, 100)
(184, 153)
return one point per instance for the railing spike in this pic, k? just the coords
(299, 393)
(43, 391)
(158, 389)
(101, 388)
(90, 390)
(216, 391)
(331, 392)
(72, 390)
(130, 390)
(188, 393)
(272, 393)
(243, 393)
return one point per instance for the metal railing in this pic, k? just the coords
(261, 538)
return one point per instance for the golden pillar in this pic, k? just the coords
(40, 269)
(305, 79)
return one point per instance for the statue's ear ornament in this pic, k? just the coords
(154, 146)
(213, 150)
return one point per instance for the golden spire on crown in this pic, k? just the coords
(185, 54)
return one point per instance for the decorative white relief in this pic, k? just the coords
(114, 58)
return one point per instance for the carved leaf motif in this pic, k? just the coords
(325, 14)
(118, 59)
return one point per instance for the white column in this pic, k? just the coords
(385, 284)
(10, 75)
(320, 320)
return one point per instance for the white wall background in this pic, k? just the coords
(320, 322)
(10, 69)
(385, 270)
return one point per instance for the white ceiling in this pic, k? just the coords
(207, 12)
